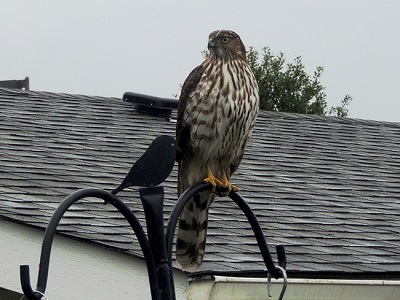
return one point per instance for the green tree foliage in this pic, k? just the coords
(287, 87)
(341, 111)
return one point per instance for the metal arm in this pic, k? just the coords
(51, 230)
(262, 244)
(195, 189)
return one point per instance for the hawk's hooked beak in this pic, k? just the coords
(211, 44)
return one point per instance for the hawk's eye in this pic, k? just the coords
(225, 40)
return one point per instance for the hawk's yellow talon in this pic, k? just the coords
(213, 180)
(235, 188)
(227, 185)
(223, 185)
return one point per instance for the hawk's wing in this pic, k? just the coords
(182, 131)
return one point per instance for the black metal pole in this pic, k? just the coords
(152, 200)
(51, 230)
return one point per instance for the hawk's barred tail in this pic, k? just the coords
(192, 231)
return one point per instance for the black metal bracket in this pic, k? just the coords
(195, 189)
(156, 247)
(51, 230)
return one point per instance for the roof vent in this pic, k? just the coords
(151, 105)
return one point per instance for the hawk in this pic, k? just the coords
(217, 109)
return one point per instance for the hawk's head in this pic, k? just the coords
(226, 44)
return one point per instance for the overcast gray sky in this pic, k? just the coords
(109, 47)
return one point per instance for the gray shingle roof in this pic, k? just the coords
(327, 188)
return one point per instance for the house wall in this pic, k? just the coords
(77, 270)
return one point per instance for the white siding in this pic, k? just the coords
(77, 270)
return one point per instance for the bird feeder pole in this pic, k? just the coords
(157, 245)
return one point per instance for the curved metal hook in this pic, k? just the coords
(29, 293)
(51, 230)
(284, 283)
(197, 188)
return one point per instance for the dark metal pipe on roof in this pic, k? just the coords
(162, 107)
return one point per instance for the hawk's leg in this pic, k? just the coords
(213, 180)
